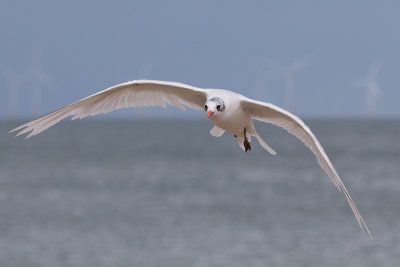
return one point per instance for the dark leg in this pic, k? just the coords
(246, 143)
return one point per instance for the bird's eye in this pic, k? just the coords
(218, 107)
(205, 107)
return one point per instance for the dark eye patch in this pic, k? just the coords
(220, 103)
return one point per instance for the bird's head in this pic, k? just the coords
(214, 106)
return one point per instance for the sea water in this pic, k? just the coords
(167, 193)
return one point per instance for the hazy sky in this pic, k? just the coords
(55, 52)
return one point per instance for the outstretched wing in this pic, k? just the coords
(140, 93)
(272, 114)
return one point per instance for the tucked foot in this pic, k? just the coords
(247, 146)
(246, 143)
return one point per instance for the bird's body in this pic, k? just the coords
(228, 111)
(234, 119)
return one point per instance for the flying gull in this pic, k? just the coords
(228, 111)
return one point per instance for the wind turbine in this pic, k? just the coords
(38, 80)
(287, 74)
(372, 88)
(14, 83)
(33, 77)
(262, 74)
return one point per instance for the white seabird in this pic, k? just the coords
(228, 111)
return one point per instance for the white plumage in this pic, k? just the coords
(229, 111)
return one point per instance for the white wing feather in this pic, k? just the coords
(140, 93)
(270, 113)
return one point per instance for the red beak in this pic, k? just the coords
(210, 113)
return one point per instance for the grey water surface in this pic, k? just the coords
(166, 193)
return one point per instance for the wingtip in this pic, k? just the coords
(15, 129)
(370, 236)
(14, 132)
(18, 134)
(365, 229)
(362, 223)
(23, 129)
(20, 128)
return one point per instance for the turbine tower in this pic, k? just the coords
(14, 83)
(32, 77)
(262, 74)
(287, 74)
(372, 88)
(37, 80)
